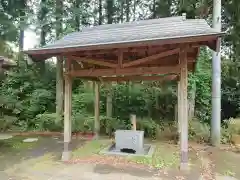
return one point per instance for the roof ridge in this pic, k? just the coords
(152, 29)
(132, 23)
(139, 26)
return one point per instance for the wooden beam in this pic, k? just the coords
(90, 78)
(120, 59)
(184, 109)
(126, 71)
(99, 62)
(151, 58)
(140, 78)
(96, 110)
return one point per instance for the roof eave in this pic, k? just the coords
(45, 53)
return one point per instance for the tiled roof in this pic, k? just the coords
(138, 31)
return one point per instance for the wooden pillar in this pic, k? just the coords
(179, 109)
(183, 109)
(96, 110)
(133, 122)
(109, 100)
(59, 89)
(67, 112)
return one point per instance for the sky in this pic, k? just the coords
(30, 39)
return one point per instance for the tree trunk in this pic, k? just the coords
(154, 10)
(42, 18)
(134, 10)
(121, 13)
(59, 66)
(128, 10)
(42, 43)
(21, 39)
(77, 17)
(100, 13)
(110, 11)
(21, 33)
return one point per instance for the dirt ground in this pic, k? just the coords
(41, 161)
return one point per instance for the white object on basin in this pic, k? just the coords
(129, 139)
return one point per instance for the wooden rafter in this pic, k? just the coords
(99, 62)
(151, 58)
(126, 71)
(140, 78)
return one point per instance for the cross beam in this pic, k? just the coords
(140, 78)
(151, 58)
(99, 62)
(126, 71)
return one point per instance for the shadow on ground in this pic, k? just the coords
(107, 169)
(40, 160)
(13, 151)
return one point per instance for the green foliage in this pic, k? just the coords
(149, 127)
(110, 125)
(6, 122)
(82, 100)
(230, 89)
(230, 129)
(28, 92)
(82, 123)
(24, 94)
(198, 131)
(47, 122)
(203, 83)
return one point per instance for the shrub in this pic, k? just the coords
(149, 127)
(167, 131)
(6, 122)
(81, 122)
(47, 121)
(231, 128)
(234, 126)
(199, 131)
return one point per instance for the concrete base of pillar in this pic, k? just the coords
(184, 167)
(96, 137)
(66, 155)
(184, 161)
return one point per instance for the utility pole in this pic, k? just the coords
(216, 80)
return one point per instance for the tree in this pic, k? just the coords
(110, 11)
(44, 28)
(100, 19)
(128, 4)
(59, 65)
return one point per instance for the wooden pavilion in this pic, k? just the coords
(140, 50)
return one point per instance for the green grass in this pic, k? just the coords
(14, 150)
(15, 144)
(91, 148)
(164, 156)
